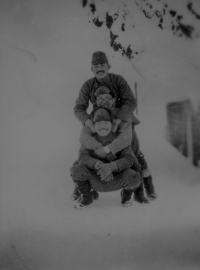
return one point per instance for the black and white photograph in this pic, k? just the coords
(99, 134)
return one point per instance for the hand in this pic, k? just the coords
(116, 124)
(98, 165)
(110, 157)
(105, 171)
(100, 152)
(136, 166)
(146, 173)
(109, 178)
(90, 124)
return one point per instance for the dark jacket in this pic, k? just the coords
(126, 101)
(124, 159)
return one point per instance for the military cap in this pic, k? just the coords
(99, 58)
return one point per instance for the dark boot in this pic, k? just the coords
(75, 195)
(95, 194)
(149, 188)
(142, 161)
(139, 195)
(85, 200)
(126, 197)
(84, 188)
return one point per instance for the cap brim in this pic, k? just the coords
(99, 62)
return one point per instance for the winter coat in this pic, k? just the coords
(123, 159)
(125, 101)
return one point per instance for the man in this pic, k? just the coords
(125, 104)
(101, 174)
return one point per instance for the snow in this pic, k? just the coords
(45, 58)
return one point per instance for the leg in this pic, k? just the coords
(149, 187)
(135, 142)
(139, 195)
(148, 182)
(136, 149)
(147, 178)
(86, 179)
(132, 180)
(128, 179)
(80, 175)
(76, 194)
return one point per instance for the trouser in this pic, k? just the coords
(136, 149)
(128, 179)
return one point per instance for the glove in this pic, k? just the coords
(110, 157)
(136, 166)
(109, 178)
(146, 173)
(116, 124)
(101, 152)
(98, 165)
(89, 123)
(106, 170)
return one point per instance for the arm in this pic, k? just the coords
(82, 104)
(126, 159)
(123, 139)
(86, 158)
(87, 140)
(127, 99)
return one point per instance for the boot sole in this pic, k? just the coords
(79, 206)
(74, 197)
(127, 204)
(142, 201)
(151, 198)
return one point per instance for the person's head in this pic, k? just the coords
(104, 96)
(100, 65)
(102, 119)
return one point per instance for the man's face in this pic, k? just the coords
(100, 70)
(105, 100)
(103, 128)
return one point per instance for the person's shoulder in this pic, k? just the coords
(89, 81)
(87, 84)
(116, 77)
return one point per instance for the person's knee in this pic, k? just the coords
(79, 172)
(135, 175)
(146, 173)
(134, 179)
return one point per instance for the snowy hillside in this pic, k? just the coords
(46, 48)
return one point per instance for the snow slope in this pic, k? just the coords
(46, 49)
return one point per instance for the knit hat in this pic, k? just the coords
(103, 89)
(99, 58)
(102, 114)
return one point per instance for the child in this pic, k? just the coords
(100, 174)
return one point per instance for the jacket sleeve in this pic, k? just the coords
(127, 99)
(82, 103)
(126, 159)
(123, 139)
(86, 158)
(87, 140)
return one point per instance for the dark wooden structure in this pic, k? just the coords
(183, 129)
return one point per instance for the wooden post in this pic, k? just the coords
(189, 137)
